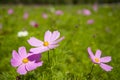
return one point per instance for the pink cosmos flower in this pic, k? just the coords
(97, 59)
(23, 61)
(51, 41)
(10, 11)
(90, 21)
(59, 12)
(25, 16)
(34, 24)
(95, 7)
(86, 12)
(44, 15)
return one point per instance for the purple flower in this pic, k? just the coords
(44, 15)
(34, 24)
(25, 16)
(86, 12)
(23, 62)
(51, 41)
(90, 21)
(97, 59)
(10, 11)
(59, 12)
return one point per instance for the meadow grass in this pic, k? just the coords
(69, 61)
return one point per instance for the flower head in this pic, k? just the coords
(10, 11)
(51, 41)
(59, 12)
(33, 24)
(25, 16)
(86, 12)
(22, 33)
(23, 61)
(97, 59)
(44, 15)
(95, 7)
(90, 21)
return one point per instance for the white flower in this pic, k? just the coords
(22, 33)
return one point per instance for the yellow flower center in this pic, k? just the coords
(45, 43)
(97, 60)
(25, 60)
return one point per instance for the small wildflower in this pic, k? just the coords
(59, 12)
(86, 12)
(10, 11)
(90, 21)
(97, 59)
(34, 24)
(25, 16)
(51, 41)
(22, 33)
(44, 15)
(22, 61)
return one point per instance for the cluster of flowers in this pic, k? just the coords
(30, 61)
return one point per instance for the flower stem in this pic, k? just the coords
(48, 57)
(89, 76)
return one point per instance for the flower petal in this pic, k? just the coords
(55, 35)
(106, 67)
(39, 64)
(58, 40)
(105, 59)
(90, 54)
(98, 54)
(15, 62)
(34, 57)
(22, 52)
(47, 36)
(52, 46)
(30, 66)
(21, 69)
(35, 42)
(15, 55)
(39, 49)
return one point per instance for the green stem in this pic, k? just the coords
(48, 57)
(89, 74)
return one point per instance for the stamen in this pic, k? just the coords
(97, 60)
(25, 60)
(46, 43)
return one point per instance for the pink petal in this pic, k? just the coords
(90, 53)
(35, 42)
(39, 50)
(52, 46)
(39, 64)
(105, 59)
(106, 67)
(15, 55)
(22, 52)
(15, 62)
(30, 66)
(55, 35)
(98, 54)
(47, 36)
(57, 41)
(21, 69)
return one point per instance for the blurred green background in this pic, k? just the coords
(98, 29)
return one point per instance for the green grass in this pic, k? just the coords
(70, 60)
